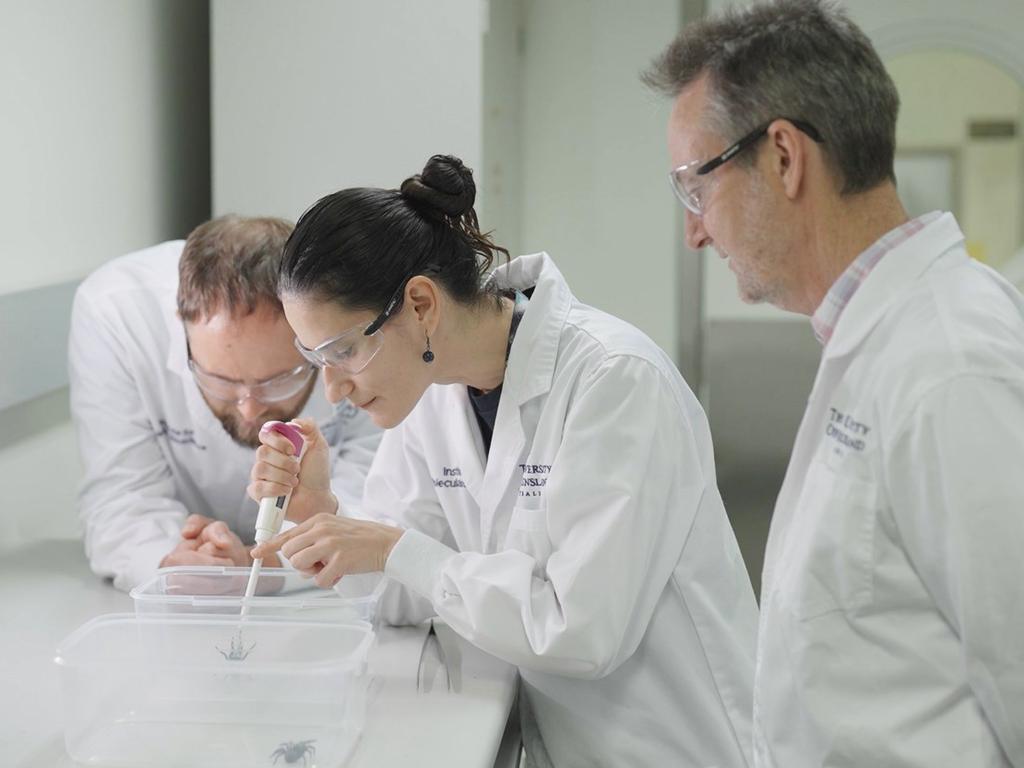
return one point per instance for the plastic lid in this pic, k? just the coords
(360, 591)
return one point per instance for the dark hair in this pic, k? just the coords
(231, 263)
(357, 246)
(800, 59)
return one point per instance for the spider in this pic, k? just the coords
(293, 751)
(238, 650)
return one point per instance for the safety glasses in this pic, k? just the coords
(275, 389)
(693, 186)
(350, 351)
(353, 349)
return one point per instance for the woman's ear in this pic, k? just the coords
(422, 296)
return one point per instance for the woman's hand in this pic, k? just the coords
(328, 547)
(276, 472)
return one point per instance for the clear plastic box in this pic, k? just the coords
(200, 692)
(280, 593)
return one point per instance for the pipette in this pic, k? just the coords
(272, 510)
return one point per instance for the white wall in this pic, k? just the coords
(97, 139)
(502, 172)
(39, 470)
(314, 96)
(942, 92)
(595, 190)
(104, 149)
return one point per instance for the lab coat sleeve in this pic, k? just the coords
(621, 496)
(400, 492)
(126, 497)
(357, 446)
(957, 492)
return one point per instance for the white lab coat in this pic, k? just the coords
(591, 548)
(892, 624)
(151, 449)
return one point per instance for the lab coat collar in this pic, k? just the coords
(528, 374)
(891, 278)
(531, 362)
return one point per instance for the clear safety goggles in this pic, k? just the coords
(691, 182)
(352, 350)
(276, 389)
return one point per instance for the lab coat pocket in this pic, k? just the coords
(828, 560)
(528, 532)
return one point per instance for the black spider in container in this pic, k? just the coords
(293, 751)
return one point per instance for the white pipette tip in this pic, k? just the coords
(250, 588)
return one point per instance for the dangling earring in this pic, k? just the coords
(428, 356)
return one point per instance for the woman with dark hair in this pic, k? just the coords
(546, 485)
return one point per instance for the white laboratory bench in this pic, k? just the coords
(47, 589)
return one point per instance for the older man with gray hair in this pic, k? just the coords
(892, 604)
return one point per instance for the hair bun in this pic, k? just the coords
(445, 184)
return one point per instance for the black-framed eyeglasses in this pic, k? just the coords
(694, 191)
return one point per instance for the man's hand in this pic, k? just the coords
(194, 525)
(217, 540)
(210, 542)
(187, 553)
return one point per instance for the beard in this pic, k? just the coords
(248, 435)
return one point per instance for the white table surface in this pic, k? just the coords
(46, 590)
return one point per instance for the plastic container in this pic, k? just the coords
(199, 692)
(280, 593)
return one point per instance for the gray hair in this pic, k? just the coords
(797, 59)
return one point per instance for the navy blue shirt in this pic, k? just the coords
(485, 404)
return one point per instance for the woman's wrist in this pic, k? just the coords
(391, 537)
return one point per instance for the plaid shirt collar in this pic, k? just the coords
(826, 316)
